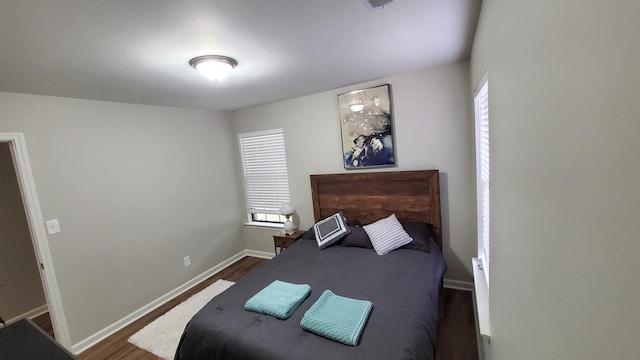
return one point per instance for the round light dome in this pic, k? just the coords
(213, 67)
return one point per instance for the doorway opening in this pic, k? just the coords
(36, 231)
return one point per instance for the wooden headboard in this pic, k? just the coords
(411, 195)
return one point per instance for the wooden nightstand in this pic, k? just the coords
(284, 241)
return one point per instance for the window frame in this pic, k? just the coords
(483, 174)
(279, 196)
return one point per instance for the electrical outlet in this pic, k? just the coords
(187, 260)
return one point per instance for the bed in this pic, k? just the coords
(403, 285)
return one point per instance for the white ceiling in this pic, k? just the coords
(137, 51)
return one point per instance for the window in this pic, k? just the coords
(481, 102)
(265, 174)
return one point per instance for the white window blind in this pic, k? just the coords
(481, 101)
(265, 171)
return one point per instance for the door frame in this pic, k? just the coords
(37, 229)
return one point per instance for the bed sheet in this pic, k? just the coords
(402, 285)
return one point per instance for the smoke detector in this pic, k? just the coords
(375, 4)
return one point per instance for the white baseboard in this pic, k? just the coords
(259, 254)
(29, 314)
(458, 285)
(113, 328)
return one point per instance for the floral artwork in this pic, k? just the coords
(366, 124)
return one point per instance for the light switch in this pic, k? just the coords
(53, 227)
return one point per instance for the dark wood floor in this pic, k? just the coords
(44, 322)
(456, 329)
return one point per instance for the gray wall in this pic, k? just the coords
(20, 284)
(433, 127)
(136, 188)
(565, 130)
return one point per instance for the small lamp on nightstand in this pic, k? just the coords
(287, 210)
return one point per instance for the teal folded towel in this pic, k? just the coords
(279, 299)
(337, 317)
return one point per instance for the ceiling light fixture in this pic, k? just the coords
(213, 67)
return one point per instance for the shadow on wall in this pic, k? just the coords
(455, 264)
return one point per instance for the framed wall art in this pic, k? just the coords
(367, 128)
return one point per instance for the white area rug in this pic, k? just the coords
(161, 336)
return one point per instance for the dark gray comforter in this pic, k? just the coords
(403, 286)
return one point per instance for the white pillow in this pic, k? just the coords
(387, 234)
(330, 230)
